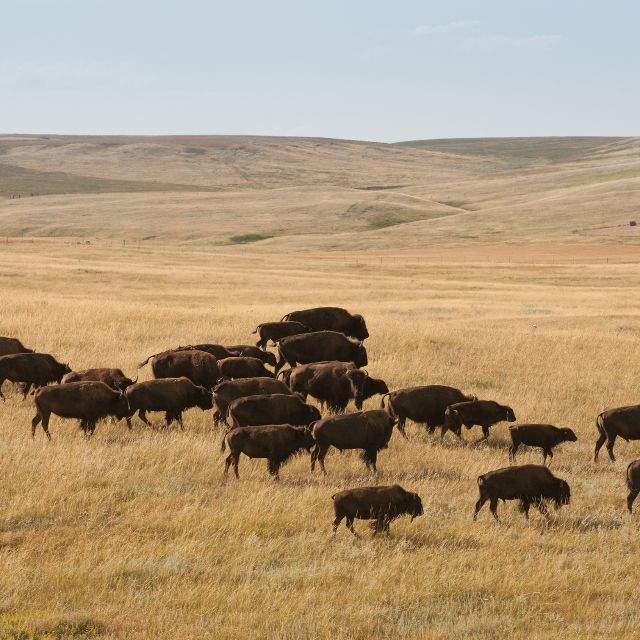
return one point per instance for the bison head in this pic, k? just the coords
(124, 382)
(121, 406)
(415, 505)
(205, 399)
(568, 435)
(270, 358)
(360, 327)
(364, 387)
(452, 421)
(313, 414)
(509, 415)
(563, 494)
(306, 438)
(360, 359)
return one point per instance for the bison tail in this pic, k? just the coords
(256, 329)
(142, 364)
(481, 481)
(285, 318)
(600, 423)
(382, 401)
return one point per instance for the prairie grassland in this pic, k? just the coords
(137, 535)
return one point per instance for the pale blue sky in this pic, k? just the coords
(374, 70)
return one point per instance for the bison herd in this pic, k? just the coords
(266, 414)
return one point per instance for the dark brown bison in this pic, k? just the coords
(320, 346)
(544, 436)
(249, 351)
(366, 430)
(85, 401)
(481, 412)
(382, 504)
(31, 369)
(170, 395)
(633, 483)
(115, 378)
(277, 408)
(199, 366)
(226, 392)
(425, 404)
(216, 350)
(623, 422)
(243, 367)
(330, 319)
(9, 346)
(277, 443)
(532, 484)
(274, 331)
(335, 384)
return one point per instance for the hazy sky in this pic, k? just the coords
(376, 70)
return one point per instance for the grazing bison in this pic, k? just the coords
(633, 483)
(544, 436)
(226, 392)
(334, 384)
(481, 412)
(382, 504)
(320, 346)
(9, 346)
(31, 369)
(249, 351)
(199, 366)
(243, 367)
(425, 404)
(216, 350)
(330, 319)
(532, 484)
(366, 430)
(275, 331)
(171, 395)
(115, 378)
(277, 408)
(277, 443)
(623, 422)
(86, 401)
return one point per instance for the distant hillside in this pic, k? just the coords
(297, 193)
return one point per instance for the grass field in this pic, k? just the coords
(137, 534)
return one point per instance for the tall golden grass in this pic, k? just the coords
(138, 535)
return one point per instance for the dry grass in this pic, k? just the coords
(137, 535)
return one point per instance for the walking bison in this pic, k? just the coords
(623, 422)
(31, 370)
(275, 331)
(9, 346)
(481, 412)
(198, 366)
(331, 319)
(242, 367)
(544, 436)
(114, 378)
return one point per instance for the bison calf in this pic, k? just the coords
(485, 413)
(382, 504)
(623, 422)
(277, 443)
(115, 378)
(243, 367)
(544, 436)
(633, 483)
(275, 331)
(532, 484)
(250, 351)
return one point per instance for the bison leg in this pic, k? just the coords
(262, 343)
(45, 424)
(142, 414)
(610, 442)
(128, 421)
(481, 500)
(179, 419)
(227, 464)
(378, 525)
(431, 427)
(493, 507)
(547, 453)
(512, 451)
(541, 505)
(320, 456)
(633, 494)
(349, 524)
(235, 460)
(485, 432)
(273, 465)
(1, 394)
(25, 390)
(373, 458)
(336, 522)
(281, 362)
(599, 442)
(524, 507)
(401, 426)
(37, 419)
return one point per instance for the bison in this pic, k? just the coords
(226, 392)
(243, 367)
(320, 346)
(276, 408)
(277, 443)
(171, 395)
(544, 436)
(532, 484)
(330, 319)
(481, 412)
(623, 422)
(335, 384)
(633, 483)
(87, 401)
(9, 346)
(31, 369)
(275, 331)
(199, 366)
(249, 351)
(114, 378)
(382, 504)
(366, 430)
(216, 350)
(424, 404)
